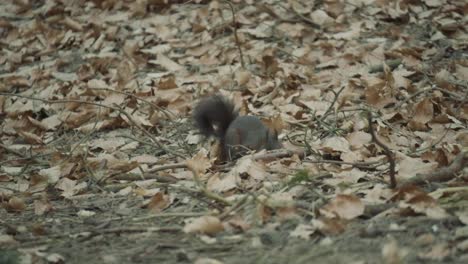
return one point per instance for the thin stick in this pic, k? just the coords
(204, 190)
(332, 104)
(234, 25)
(168, 113)
(169, 167)
(386, 150)
(177, 214)
(354, 164)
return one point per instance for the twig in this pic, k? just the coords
(386, 150)
(439, 192)
(279, 153)
(86, 235)
(169, 167)
(203, 188)
(234, 25)
(178, 214)
(302, 18)
(354, 164)
(306, 20)
(413, 96)
(446, 130)
(175, 153)
(426, 90)
(121, 230)
(332, 104)
(148, 174)
(168, 113)
(235, 207)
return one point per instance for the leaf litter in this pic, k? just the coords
(101, 162)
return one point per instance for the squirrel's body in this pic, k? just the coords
(216, 116)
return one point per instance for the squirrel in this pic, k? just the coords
(216, 116)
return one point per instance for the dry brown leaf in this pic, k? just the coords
(303, 231)
(242, 77)
(15, 204)
(53, 174)
(437, 252)
(41, 207)
(463, 216)
(200, 162)
(333, 144)
(392, 253)
(408, 167)
(167, 63)
(343, 206)
(425, 204)
(329, 226)
(7, 240)
(70, 187)
(31, 138)
(423, 113)
(209, 225)
(246, 166)
(72, 24)
(346, 176)
(358, 139)
(223, 183)
(158, 202)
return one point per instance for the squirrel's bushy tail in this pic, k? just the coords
(213, 115)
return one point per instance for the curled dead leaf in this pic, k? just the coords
(31, 138)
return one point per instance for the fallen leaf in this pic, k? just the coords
(208, 225)
(343, 206)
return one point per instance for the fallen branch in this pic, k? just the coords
(279, 153)
(442, 174)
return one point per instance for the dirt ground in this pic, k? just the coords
(117, 235)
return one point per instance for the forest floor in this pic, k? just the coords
(100, 161)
